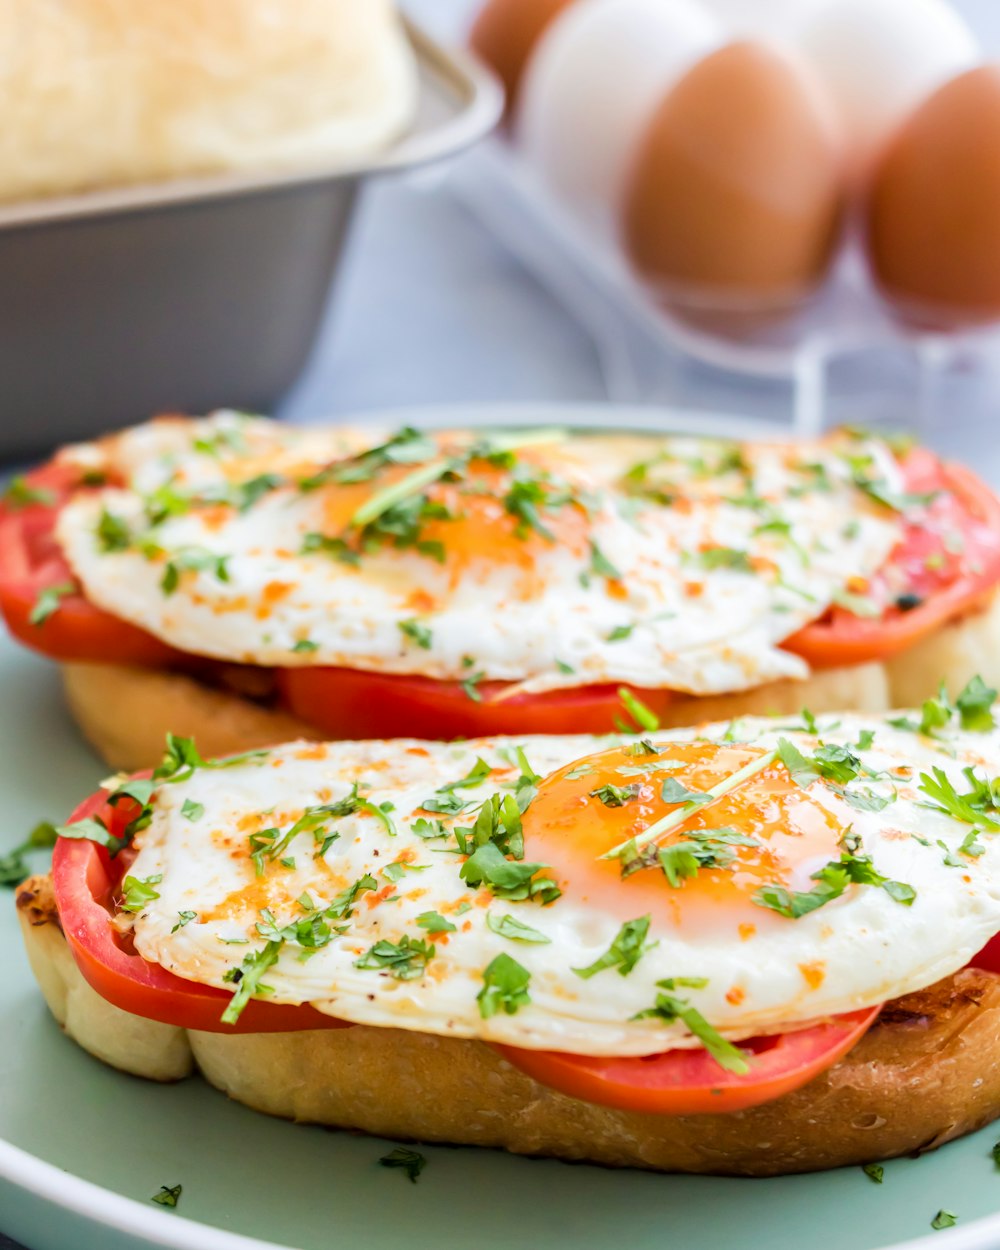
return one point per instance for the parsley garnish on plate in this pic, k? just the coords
(944, 1219)
(13, 868)
(412, 1162)
(169, 1195)
(874, 1171)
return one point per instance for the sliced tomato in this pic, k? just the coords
(691, 1082)
(348, 703)
(988, 958)
(31, 563)
(86, 879)
(946, 565)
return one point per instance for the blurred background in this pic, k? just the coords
(466, 321)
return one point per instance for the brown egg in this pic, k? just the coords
(736, 193)
(505, 33)
(933, 215)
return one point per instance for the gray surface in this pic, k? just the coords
(430, 309)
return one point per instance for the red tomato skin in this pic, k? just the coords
(86, 878)
(690, 1082)
(31, 561)
(349, 703)
(841, 638)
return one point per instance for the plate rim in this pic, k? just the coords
(101, 1206)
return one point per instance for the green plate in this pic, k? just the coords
(83, 1148)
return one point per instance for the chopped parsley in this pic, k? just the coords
(48, 602)
(416, 633)
(724, 558)
(505, 987)
(138, 894)
(13, 868)
(600, 565)
(507, 879)
(305, 646)
(831, 882)
(182, 760)
(971, 807)
(620, 633)
(434, 922)
(975, 706)
(874, 1171)
(476, 775)
(412, 1162)
(704, 848)
(674, 791)
(944, 1219)
(247, 979)
(193, 560)
(625, 951)
(183, 918)
(335, 548)
(498, 823)
(617, 796)
(112, 533)
(669, 1008)
(169, 1195)
(510, 927)
(191, 810)
(21, 494)
(644, 718)
(406, 960)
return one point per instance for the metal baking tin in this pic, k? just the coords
(195, 293)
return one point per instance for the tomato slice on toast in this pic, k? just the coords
(691, 1082)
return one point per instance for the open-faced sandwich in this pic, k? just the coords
(247, 582)
(761, 947)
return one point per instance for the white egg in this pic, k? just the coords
(778, 18)
(363, 894)
(611, 582)
(593, 83)
(880, 58)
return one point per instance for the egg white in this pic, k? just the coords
(668, 622)
(870, 947)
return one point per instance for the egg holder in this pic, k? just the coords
(793, 365)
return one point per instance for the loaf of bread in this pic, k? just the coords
(927, 1072)
(99, 93)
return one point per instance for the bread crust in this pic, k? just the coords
(959, 650)
(927, 1072)
(125, 713)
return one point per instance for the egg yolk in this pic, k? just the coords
(488, 516)
(782, 832)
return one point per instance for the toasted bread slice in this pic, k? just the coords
(927, 1072)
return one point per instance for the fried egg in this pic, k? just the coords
(543, 559)
(768, 874)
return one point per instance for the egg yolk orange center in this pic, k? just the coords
(477, 526)
(767, 831)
